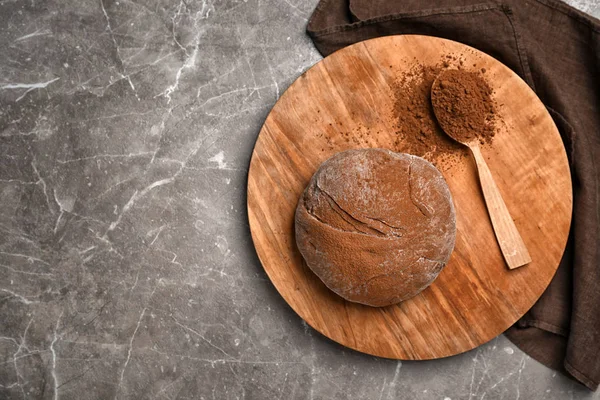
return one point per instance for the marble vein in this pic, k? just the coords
(137, 195)
(28, 86)
(129, 350)
(18, 297)
(38, 32)
(394, 382)
(53, 370)
(43, 183)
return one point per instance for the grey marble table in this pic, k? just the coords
(126, 266)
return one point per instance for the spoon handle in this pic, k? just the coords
(510, 241)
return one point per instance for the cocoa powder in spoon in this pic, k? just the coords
(464, 106)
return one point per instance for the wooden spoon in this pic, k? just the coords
(510, 241)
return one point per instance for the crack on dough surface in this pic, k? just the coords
(339, 211)
(358, 224)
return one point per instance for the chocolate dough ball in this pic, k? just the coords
(375, 226)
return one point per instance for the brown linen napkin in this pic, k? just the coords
(556, 50)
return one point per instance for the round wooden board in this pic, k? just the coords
(476, 297)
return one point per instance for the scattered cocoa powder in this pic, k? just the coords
(418, 131)
(463, 106)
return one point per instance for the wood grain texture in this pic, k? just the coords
(510, 241)
(476, 297)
